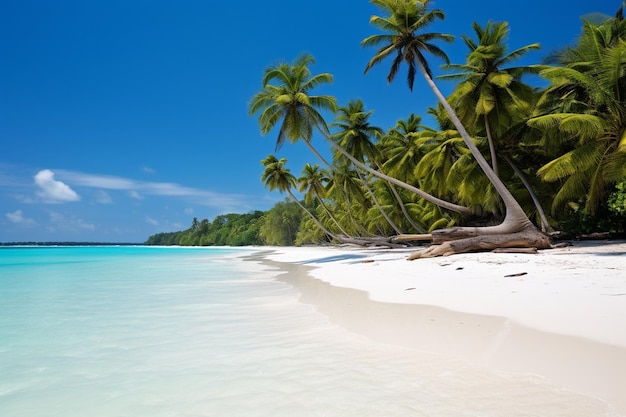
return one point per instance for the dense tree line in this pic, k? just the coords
(507, 162)
(278, 226)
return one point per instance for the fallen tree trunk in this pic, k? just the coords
(370, 241)
(412, 237)
(461, 240)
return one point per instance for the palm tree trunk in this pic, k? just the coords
(437, 201)
(515, 219)
(402, 206)
(377, 204)
(319, 156)
(317, 222)
(545, 225)
(492, 147)
(328, 212)
(404, 210)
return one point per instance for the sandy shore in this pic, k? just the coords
(559, 314)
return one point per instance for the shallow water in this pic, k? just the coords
(141, 331)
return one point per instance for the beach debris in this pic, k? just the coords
(515, 250)
(367, 261)
(409, 289)
(519, 274)
(513, 234)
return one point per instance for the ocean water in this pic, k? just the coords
(148, 331)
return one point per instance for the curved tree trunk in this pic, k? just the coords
(312, 216)
(374, 172)
(398, 198)
(516, 230)
(525, 238)
(417, 228)
(372, 241)
(319, 155)
(327, 210)
(428, 197)
(545, 225)
(492, 147)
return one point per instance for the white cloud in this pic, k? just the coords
(148, 170)
(151, 221)
(18, 217)
(188, 211)
(53, 191)
(138, 188)
(103, 198)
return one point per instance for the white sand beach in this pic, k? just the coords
(559, 314)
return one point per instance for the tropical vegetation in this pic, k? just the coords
(505, 164)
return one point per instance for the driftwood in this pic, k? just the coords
(370, 241)
(461, 240)
(412, 238)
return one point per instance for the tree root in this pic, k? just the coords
(464, 240)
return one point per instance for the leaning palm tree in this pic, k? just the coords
(489, 91)
(346, 190)
(357, 136)
(400, 149)
(286, 99)
(312, 182)
(278, 177)
(404, 41)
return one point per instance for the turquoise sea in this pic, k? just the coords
(151, 331)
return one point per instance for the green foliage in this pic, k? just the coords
(280, 224)
(562, 145)
(609, 217)
(225, 230)
(617, 207)
(617, 200)
(579, 221)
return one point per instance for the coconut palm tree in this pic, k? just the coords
(583, 117)
(404, 40)
(286, 99)
(356, 136)
(354, 133)
(489, 93)
(277, 176)
(346, 189)
(400, 149)
(313, 182)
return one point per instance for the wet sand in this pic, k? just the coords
(559, 315)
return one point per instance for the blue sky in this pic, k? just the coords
(121, 119)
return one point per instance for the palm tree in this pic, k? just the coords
(355, 133)
(583, 117)
(285, 98)
(488, 91)
(289, 101)
(312, 183)
(278, 177)
(404, 41)
(346, 189)
(400, 149)
(356, 136)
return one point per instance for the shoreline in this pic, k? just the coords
(559, 314)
